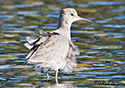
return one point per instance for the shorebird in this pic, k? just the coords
(54, 50)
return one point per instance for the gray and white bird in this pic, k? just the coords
(54, 50)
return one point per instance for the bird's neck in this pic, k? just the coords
(64, 29)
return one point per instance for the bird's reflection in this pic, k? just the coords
(48, 85)
(58, 86)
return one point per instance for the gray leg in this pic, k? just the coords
(46, 71)
(56, 76)
(47, 75)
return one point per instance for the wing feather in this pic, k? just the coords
(52, 51)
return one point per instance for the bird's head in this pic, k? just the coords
(69, 15)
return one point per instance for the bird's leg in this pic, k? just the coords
(46, 71)
(47, 76)
(56, 80)
(56, 76)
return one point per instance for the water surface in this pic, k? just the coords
(101, 62)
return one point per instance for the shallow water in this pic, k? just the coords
(101, 62)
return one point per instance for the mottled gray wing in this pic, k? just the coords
(31, 42)
(51, 53)
(71, 57)
(74, 49)
(34, 43)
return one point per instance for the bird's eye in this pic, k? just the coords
(72, 14)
